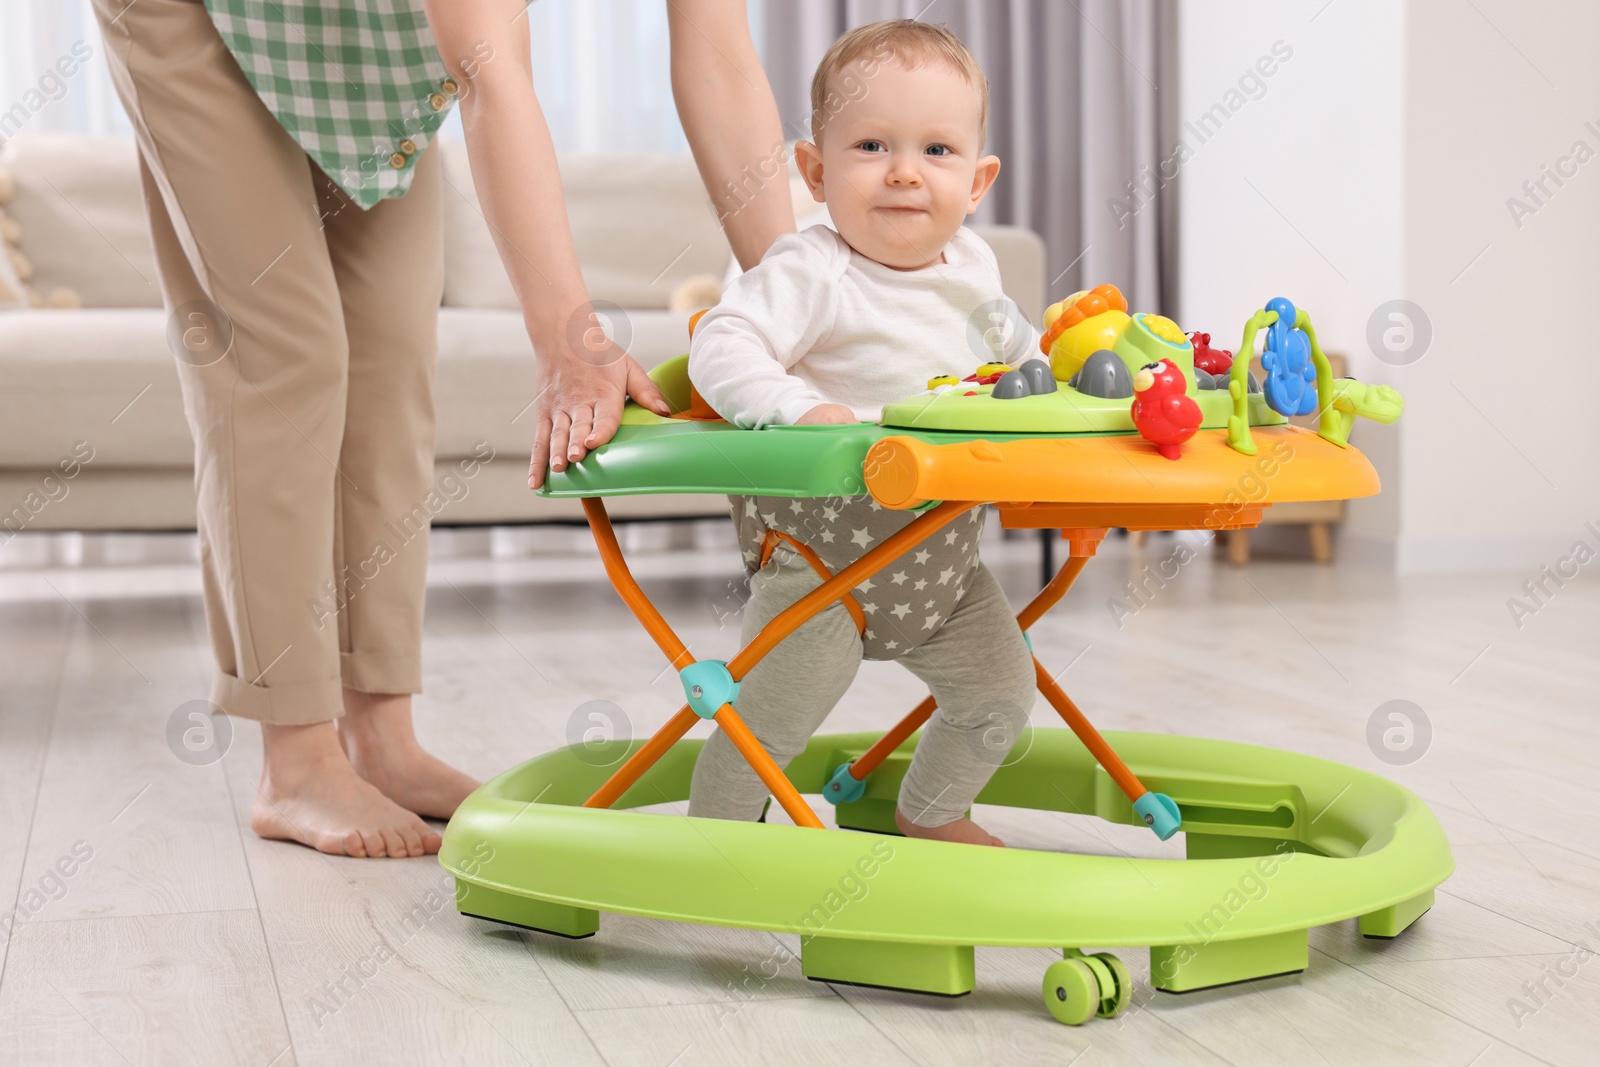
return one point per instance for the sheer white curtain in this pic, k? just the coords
(601, 68)
(40, 42)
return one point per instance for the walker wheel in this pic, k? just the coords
(1113, 1000)
(1071, 991)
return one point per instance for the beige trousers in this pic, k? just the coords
(314, 431)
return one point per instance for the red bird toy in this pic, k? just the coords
(1211, 360)
(1164, 413)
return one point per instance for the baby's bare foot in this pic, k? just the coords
(377, 737)
(964, 831)
(309, 793)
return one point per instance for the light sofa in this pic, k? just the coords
(103, 374)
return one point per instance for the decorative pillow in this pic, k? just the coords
(11, 288)
(701, 291)
(11, 294)
(15, 267)
(77, 205)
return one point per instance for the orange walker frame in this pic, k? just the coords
(1083, 526)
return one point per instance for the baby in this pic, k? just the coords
(829, 327)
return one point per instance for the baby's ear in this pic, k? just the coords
(983, 180)
(808, 158)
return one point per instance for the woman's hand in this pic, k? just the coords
(828, 415)
(583, 382)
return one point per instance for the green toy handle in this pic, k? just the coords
(1338, 405)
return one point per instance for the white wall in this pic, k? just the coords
(1381, 155)
(1493, 98)
(1300, 192)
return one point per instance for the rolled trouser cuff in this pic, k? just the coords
(381, 672)
(296, 704)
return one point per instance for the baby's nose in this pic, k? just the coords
(904, 174)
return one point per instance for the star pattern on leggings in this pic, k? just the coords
(840, 530)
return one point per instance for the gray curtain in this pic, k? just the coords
(1082, 103)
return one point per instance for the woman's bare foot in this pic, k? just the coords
(378, 739)
(964, 831)
(309, 793)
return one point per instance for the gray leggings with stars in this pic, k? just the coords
(975, 663)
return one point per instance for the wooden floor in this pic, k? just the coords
(178, 937)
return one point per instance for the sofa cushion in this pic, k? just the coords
(106, 376)
(81, 213)
(101, 375)
(641, 223)
(486, 378)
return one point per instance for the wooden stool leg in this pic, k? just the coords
(1239, 547)
(1321, 542)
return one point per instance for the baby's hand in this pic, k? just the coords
(828, 415)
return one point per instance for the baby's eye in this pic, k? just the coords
(871, 146)
(938, 150)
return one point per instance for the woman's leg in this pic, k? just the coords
(233, 216)
(389, 263)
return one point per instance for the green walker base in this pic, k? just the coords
(530, 913)
(945, 970)
(1389, 923)
(1189, 968)
(1275, 843)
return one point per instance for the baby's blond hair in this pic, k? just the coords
(911, 43)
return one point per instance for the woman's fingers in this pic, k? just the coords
(607, 417)
(642, 389)
(582, 408)
(540, 461)
(560, 427)
(582, 416)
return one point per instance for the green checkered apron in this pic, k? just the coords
(357, 83)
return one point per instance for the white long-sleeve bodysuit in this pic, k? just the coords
(816, 322)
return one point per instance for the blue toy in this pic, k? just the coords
(1291, 385)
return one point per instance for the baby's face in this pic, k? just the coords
(899, 167)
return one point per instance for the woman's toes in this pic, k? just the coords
(394, 843)
(355, 845)
(374, 843)
(413, 840)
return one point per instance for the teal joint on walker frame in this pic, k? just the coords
(844, 787)
(1159, 813)
(708, 686)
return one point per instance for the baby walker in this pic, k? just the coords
(1119, 425)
